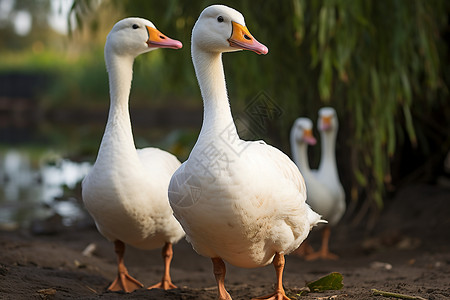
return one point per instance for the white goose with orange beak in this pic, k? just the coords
(328, 175)
(126, 189)
(325, 192)
(238, 201)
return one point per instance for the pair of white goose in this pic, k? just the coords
(246, 207)
(325, 192)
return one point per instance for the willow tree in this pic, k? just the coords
(379, 63)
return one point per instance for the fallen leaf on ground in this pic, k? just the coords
(332, 281)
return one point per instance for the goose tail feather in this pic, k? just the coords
(314, 218)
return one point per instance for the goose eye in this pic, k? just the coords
(135, 26)
(220, 19)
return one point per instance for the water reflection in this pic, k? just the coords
(39, 188)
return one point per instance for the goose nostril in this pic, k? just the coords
(162, 37)
(247, 37)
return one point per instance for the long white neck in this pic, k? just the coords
(300, 156)
(211, 78)
(118, 137)
(328, 156)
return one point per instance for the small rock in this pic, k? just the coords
(89, 250)
(380, 265)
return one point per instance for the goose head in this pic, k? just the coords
(222, 29)
(301, 131)
(327, 120)
(135, 36)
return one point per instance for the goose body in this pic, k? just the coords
(238, 201)
(325, 192)
(125, 196)
(126, 189)
(238, 214)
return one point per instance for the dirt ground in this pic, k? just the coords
(412, 237)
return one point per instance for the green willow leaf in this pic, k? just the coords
(323, 22)
(391, 136)
(360, 178)
(298, 20)
(409, 124)
(375, 84)
(406, 87)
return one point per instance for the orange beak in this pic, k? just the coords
(326, 122)
(158, 40)
(308, 137)
(242, 39)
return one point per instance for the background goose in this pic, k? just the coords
(302, 136)
(238, 201)
(325, 192)
(126, 190)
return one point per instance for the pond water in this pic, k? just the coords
(37, 187)
(38, 181)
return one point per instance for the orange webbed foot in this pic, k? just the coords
(321, 255)
(324, 252)
(166, 281)
(164, 284)
(124, 282)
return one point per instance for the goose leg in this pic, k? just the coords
(324, 252)
(304, 250)
(219, 273)
(123, 281)
(278, 263)
(166, 281)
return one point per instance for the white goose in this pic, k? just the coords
(325, 192)
(126, 189)
(238, 201)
